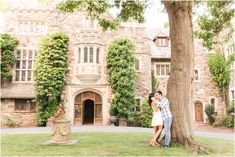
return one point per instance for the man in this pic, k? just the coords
(166, 116)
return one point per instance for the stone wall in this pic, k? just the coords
(73, 26)
(205, 88)
(21, 118)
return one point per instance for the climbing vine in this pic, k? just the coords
(120, 63)
(51, 67)
(8, 44)
(220, 70)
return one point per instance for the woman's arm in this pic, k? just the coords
(154, 107)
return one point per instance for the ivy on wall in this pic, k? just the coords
(50, 74)
(120, 63)
(7, 44)
(220, 70)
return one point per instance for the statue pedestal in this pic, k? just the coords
(60, 133)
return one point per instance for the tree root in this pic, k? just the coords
(189, 142)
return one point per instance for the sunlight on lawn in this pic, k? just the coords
(95, 144)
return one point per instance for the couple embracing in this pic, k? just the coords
(161, 117)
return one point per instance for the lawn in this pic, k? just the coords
(105, 144)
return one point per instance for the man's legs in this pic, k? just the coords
(167, 126)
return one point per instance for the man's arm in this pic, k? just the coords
(163, 102)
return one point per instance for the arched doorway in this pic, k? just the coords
(88, 116)
(198, 108)
(88, 108)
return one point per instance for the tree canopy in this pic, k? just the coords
(216, 19)
(129, 10)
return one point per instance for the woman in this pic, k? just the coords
(157, 122)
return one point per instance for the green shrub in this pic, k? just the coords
(210, 112)
(8, 59)
(230, 109)
(146, 115)
(225, 120)
(10, 123)
(120, 64)
(135, 120)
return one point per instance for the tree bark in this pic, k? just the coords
(179, 87)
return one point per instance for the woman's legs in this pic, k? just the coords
(157, 134)
(154, 132)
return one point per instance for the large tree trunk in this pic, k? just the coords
(179, 88)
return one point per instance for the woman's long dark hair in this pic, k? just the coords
(150, 100)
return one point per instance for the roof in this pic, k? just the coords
(156, 51)
(160, 52)
(18, 91)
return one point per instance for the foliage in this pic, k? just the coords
(136, 120)
(231, 108)
(129, 10)
(228, 119)
(10, 123)
(216, 19)
(210, 112)
(120, 64)
(146, 115)
(50, 70)
(8, 59)
(155, 84)
(225, 120)
(220, 72)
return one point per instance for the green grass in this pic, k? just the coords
(105, 144)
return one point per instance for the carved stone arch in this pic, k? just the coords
(88, 108)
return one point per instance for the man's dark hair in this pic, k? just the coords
(159, 92)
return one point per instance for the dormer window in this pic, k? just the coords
(161, 41)
(89, 23)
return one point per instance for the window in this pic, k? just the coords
(196, 75)
(32, 28)
(90, 54)
(89, 23)
(77, 111)
(97, 55)
(137, 65)
(212, 101)
(161, 41)
(25, 59)
(162, 69)
(85, 54)
(79, 54)
(229, 50)
(25, 105)
(232, 95)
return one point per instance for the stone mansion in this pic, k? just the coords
(88, 93)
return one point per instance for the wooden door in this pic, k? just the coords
(198, 112)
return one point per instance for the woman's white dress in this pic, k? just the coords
(157, 118)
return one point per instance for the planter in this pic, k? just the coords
(60, 133)
(112, 120)
(122, 122)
